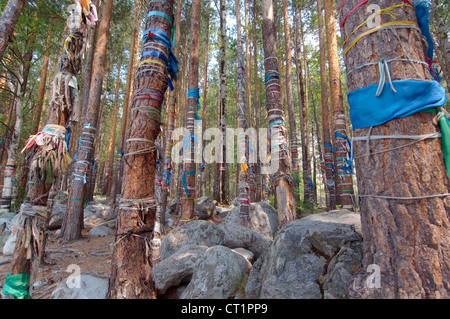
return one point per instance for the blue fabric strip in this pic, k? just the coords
(194, 93)
(186, 190)
(412, 96)
(155, 54)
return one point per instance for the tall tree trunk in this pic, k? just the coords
(48, 162)
(134, 47)
(328, 147)
(302, 109)
(405, 231)
(13, 148)
(189, 165)
(112, 141)
(73, 219)
(131, 266)
(205, 88)
(289, 98)
(442, 41)
(307, 176)
(319, 151)
(256, 108)
(282, 180)
(171, 115)
(8, 21)
(41, 89)
(343, 177)
(99, 134)
(223, 165)
(248, 96)
(243, 146)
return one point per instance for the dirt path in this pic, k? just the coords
(91, 254)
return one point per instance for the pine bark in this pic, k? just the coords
(406, 238)
(243, 146)
(343, 180)
(73, 219)
(41, 89)
(189, 165)
(134, 47)
(281, 179)
(112, 141)
(289, 95)
(222, 182)
(256, 107)
(13, 147)
(442, 48)
(131, 265)
(327, 146)
(171, 121)
(205, 88)
(8, 21)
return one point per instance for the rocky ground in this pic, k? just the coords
(211, 257)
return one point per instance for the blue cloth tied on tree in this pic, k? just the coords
(412, 96)
(162, 37)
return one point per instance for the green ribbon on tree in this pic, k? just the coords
(444, 125)
(17, 286)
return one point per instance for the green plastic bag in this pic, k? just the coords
(17, 286)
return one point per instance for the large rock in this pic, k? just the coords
(15, 225)
(204, 208)
(341, 271)
(237, 235)
(178, 267)
(264, 219)
(7, 221)
(81, 287)
(218, 275)
(196, 232)
(95, 213)
(58, 212)
(100, 231)
(304, 254)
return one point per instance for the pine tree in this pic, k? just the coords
(73, 219)
(328, 147)
(131, 266)
(405, 230)
(343, 178)
(193, 103)
(281, 179)
(8, 21)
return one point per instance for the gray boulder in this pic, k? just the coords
(304, 254)
(342, 270)
(264, 219)
(7, 221)
(237, 235)
(178, 267)
(61, 197)
(196, 232)
(81, 287)
(204, 208)
(58, 212)
(100, 231)
(218, 275)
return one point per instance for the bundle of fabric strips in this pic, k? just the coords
(48, 154)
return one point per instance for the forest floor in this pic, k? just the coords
(92, 254)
